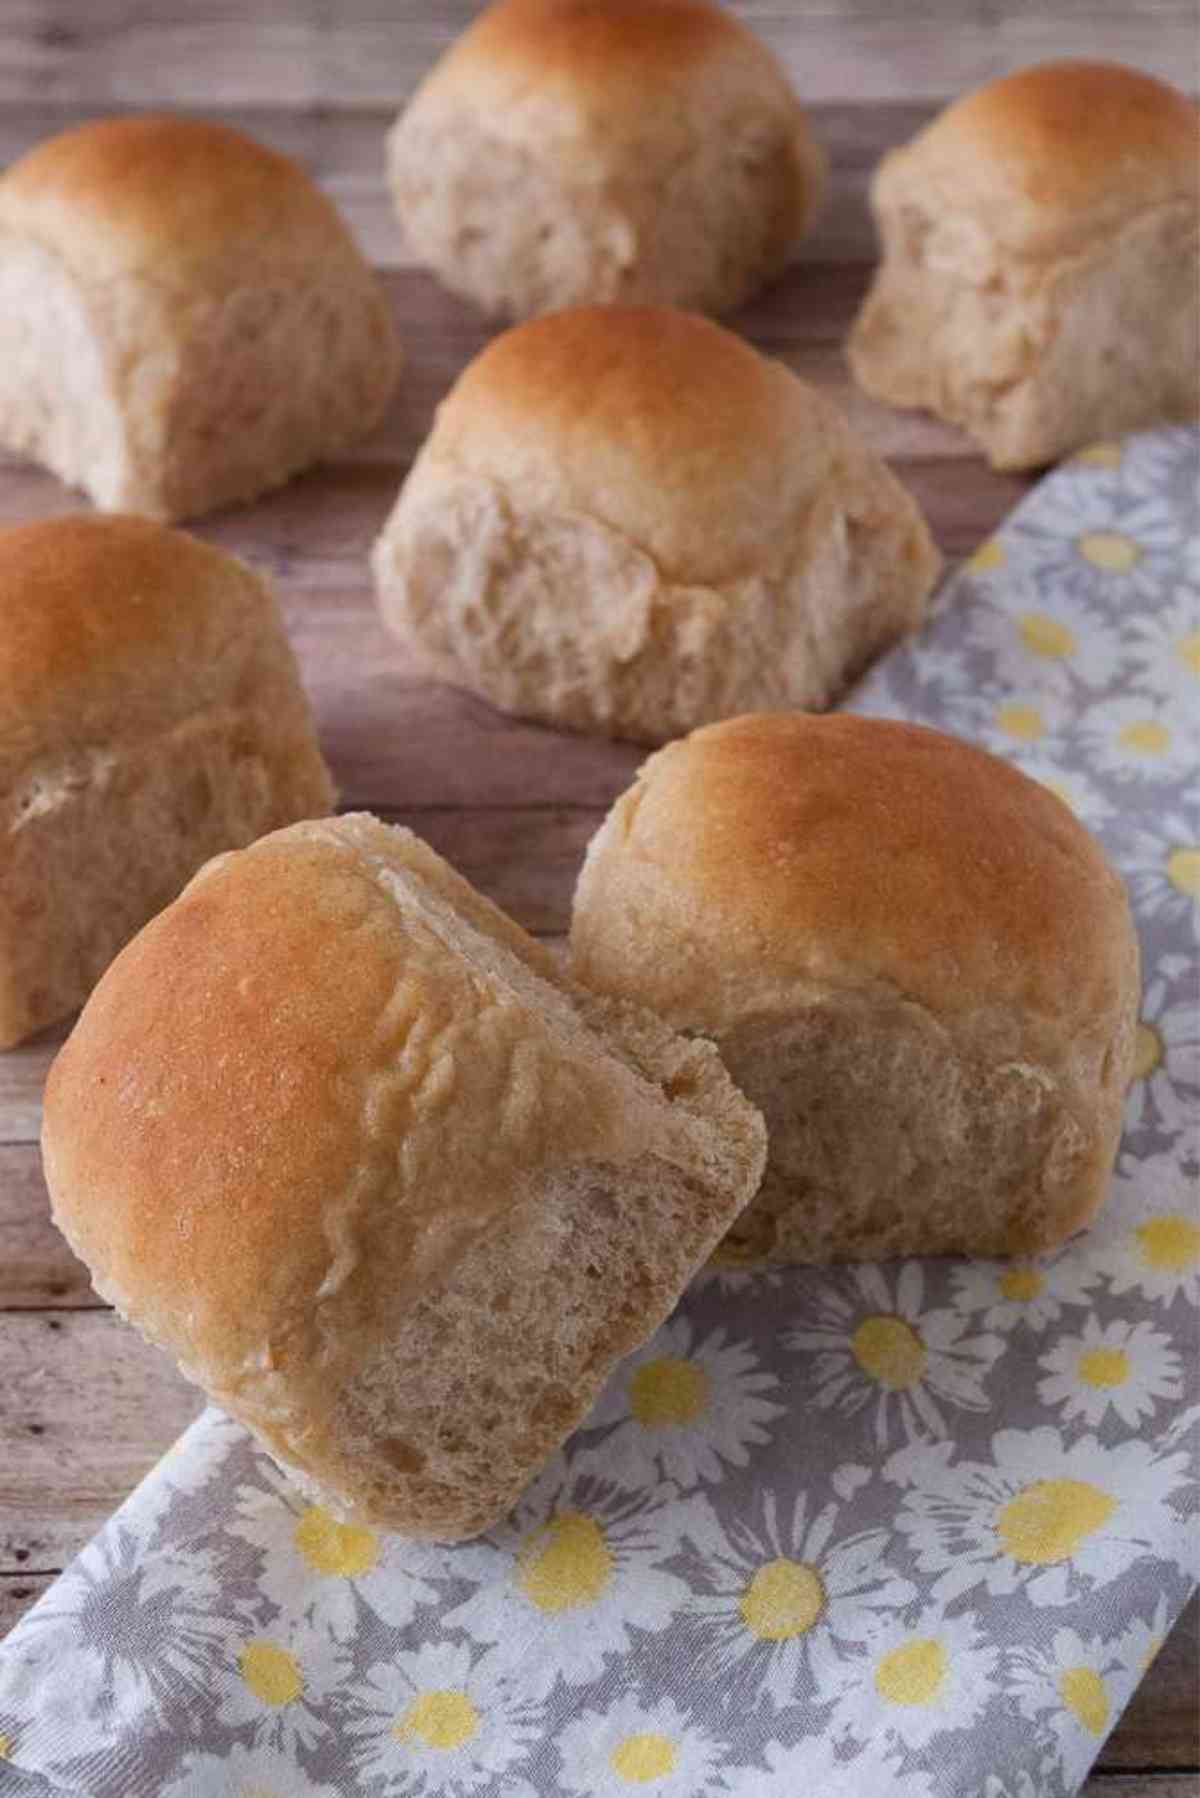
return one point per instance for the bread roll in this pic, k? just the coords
(912, 958)
(335, 1133)
(1040, 266)
(150, 715)
(639, 150)
(184, 319)
(627, 521)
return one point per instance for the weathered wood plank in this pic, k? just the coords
(37, 1269)
(1161, 1725)
(248, 54)
(17, 1592)
(86, 1408)
(1142, 1785)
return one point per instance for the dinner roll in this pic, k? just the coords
(568, 150)
(626, 520)
(912, 958)
(1040, 266)
(184, 319)
(150, 715)
(335, 1133)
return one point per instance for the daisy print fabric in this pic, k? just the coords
(917, 1528)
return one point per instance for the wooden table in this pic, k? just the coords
(85, 1406)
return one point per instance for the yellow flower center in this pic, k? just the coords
(270, 1672)
(257, 1791)
(1082, 1691)
(1169, 1244)
(912, 1673)
(5, 1747)
(332, 1547)
(1105, 455)
(1104, 1367)
(1044, 636)
(1183, 871)
(1150, 1653)
(668, 1392)
(1145, 737)
(1147, 1050)
(784, 1599)
(1111, 550)
(989, 555)
(1024, 722)
(565, 1564)
(1189, 651)
(889, 1351)
(1052, 1519)
(438, 1720)
(644, 1757)
(1021, 1283)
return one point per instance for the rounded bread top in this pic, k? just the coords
(660, 424)
(132, 195)
(776, 851)
(1057, 149)
(111, 626)
(601, 59)
(305, 1088)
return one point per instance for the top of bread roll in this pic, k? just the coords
(335, 1132)
(1059, 149)
(663, 425)
(608, 56)
(129, 195)
(778, 849)
(114, 627)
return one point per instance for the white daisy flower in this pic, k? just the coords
(1032, 1293)
(935, 666)
(1044, 639)
(1164, 645)
(1022, 1784)
(1166, 1072)
(1081, 548)
(826, 1769)
(726, 1276)
(631, 1748)
(1119, 1366)
(429, 1723)
(919, 1680)
(1067, 1690)
(875, 1349)
(314, 1563)
(1147, 1238)
(564, 1580)
(278, 1680)
(779, 1602)
(1089, 803)
(127, 1632)
(1139, 737)
(682, 1410)
(1018, 720)
(1038, 1517)
(244, 1773)
(1162, 870)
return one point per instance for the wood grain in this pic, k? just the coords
(86, 1408)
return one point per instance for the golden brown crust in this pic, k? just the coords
(913, 959)
(660, 423)
(803, 845)
(113, 627)
(607, 51)
(1055, 150)
(132, 195)
(306, 1098)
